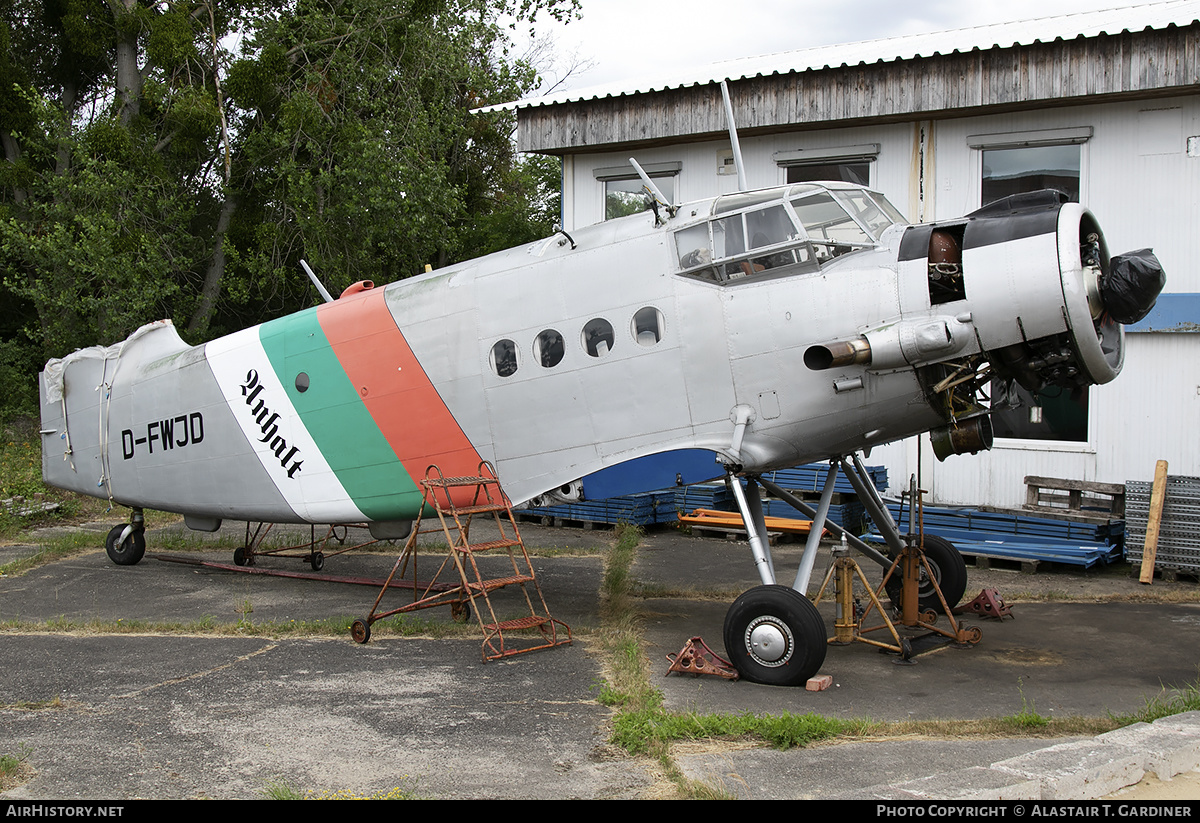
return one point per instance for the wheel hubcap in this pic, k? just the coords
(925, 587)
(769, 641)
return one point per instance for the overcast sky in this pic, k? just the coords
(652, 38)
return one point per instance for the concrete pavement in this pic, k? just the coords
(177, 715)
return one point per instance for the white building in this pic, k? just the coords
(1104, 105)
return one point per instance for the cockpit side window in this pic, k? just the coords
(830, 228)
(874, 213)
(770, 234)
(718, 250)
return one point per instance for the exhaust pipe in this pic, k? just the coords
(964, 437)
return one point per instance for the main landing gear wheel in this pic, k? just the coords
(775, 635)
(948, 569)
(130, 550)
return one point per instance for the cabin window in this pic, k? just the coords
(548, 348)
(597, 337)
(503, 358)
(302, 382)
(647, 326)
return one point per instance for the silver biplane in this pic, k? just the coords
(722, 338)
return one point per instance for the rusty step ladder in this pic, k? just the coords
(455, 517)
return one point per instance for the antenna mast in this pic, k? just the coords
(733, 138)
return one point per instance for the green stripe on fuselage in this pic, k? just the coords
(337, 420)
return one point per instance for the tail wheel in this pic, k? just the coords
(775, 635)
(127, 552)
(948, 569)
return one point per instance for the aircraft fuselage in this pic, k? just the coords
(560, 359)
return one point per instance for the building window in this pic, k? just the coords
(625, 197)
(1015, 164)
(1015, 171)
(858, 172)
(1054, 413)
(846, 164)
(623, 192)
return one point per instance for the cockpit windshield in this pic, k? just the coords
(783, 232)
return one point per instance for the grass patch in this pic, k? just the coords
(284, 790)
(14, 767)
(21, 477)
(34, 705)
(639, 732)
(52, 549)
(1168, 702)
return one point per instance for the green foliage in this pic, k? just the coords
(285, 790)
(10, 764)
(148, 173)
(1168, 702)
(1027, 718)
(281, 790)
(640, 731)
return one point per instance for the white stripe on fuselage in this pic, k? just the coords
(282, 444)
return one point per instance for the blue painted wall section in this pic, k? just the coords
(1172, 314)
(664, 470)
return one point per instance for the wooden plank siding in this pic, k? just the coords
(1131, 65)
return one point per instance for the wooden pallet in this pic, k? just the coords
(1075, 499)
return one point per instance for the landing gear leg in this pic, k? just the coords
(126, 545)
(774, 634)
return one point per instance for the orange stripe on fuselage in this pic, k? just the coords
(395, 388)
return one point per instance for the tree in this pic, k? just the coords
(150, 172)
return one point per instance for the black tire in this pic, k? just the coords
(775, 635)
(360, 630)
(949, 569)
(317, 561)
(239, 556)
(130, 551)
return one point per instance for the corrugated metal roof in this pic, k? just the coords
(907, 47)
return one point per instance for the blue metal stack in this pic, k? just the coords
(1018, 537)
(663, 506)
(807, 480)
(644, 509)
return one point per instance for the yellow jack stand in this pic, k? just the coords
(914, 568)
(848, 626)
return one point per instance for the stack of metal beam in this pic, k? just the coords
(1017, 537)
(1179, 530)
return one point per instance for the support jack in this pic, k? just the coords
(850, 615)
(917, 574)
